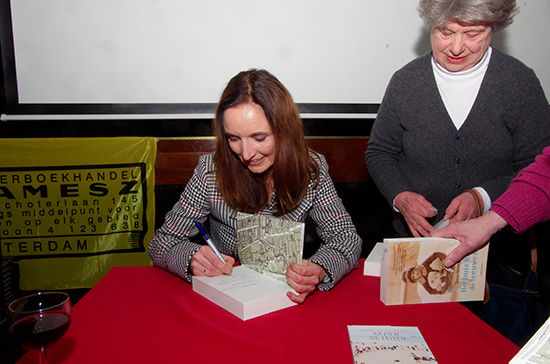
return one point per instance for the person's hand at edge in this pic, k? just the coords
(473, 235)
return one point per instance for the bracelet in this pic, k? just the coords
(479, 201)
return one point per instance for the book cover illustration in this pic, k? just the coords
(269, 245)
(413, 271)
(388, 344)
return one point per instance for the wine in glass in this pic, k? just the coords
(39, 320)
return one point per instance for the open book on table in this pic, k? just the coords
(266, 247)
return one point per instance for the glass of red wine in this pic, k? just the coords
(39, 320)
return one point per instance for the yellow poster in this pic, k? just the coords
(73, 208)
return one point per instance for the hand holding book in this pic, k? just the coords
(473, 235)
(304, 279)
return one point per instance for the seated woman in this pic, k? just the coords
(262, 165)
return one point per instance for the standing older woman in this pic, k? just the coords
(456, 124)
(262, 165)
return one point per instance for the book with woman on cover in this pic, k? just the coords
(413, 271)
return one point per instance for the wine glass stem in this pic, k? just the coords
(43, 356)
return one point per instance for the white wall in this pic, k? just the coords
(185, 51)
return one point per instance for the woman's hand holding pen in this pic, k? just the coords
(206, 263)
(303, 279)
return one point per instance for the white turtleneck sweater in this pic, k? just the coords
(459, 91)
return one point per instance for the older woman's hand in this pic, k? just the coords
(415, 209)
(206, 263)
(462, 208)
(304, 279)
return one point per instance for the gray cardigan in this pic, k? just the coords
(414, 145)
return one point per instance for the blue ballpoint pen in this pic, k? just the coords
(209, 241)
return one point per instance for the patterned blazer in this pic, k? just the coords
(172, 250)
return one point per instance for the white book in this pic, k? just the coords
(245, 293)
(413, 271)
(373, 262)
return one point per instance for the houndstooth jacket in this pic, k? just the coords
(172, 250)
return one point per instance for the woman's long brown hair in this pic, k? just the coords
(292, 167)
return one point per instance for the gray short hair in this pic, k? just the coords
(497, 14)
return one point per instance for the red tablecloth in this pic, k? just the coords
(146, 315)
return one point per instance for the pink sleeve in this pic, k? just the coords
(527, 200)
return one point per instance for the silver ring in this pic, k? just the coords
(205, 270)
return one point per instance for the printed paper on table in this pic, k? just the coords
(388, 344)
(537, 349)
(413, 271)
